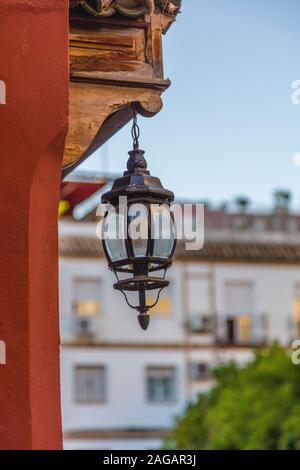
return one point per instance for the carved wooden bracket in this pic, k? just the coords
(116, 66)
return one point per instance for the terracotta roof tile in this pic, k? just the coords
(223, 251)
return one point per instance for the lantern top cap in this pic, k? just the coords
(138, 185)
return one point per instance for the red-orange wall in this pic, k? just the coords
(33, 124)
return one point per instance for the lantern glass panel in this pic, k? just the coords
(163, 231)
(138, 220)
(114, 236)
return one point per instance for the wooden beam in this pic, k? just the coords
(115, 63)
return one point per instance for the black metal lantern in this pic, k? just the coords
(147, 207)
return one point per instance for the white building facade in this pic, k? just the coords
(123, 388)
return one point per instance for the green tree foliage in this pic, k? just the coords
(254, 407)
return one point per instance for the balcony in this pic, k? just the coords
(82, 329)
(200, 324)
(242, 330)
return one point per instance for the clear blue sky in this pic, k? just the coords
(228, 126)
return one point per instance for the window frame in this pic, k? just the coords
(75, 310)
(166, 401)
(100, 367)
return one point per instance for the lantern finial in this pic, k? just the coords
(136, 161)
(144, 320)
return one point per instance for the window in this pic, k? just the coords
(199, 324)
(239, 301)
(160, 384)
(90, 384)
(199, 318)
(297, 317)
(197, 291)
(199, 371)
(87, 296)
(238, 330)
(244, 328)
(164, 305)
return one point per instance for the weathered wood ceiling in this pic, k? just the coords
(116, 69)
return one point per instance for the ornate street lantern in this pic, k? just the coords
(139, 233)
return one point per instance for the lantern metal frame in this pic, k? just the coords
(140, 187)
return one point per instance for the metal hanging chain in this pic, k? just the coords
(135, 132)
(136, 161)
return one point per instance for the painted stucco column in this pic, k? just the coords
(33, 126)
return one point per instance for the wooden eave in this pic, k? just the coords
(116, 69)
